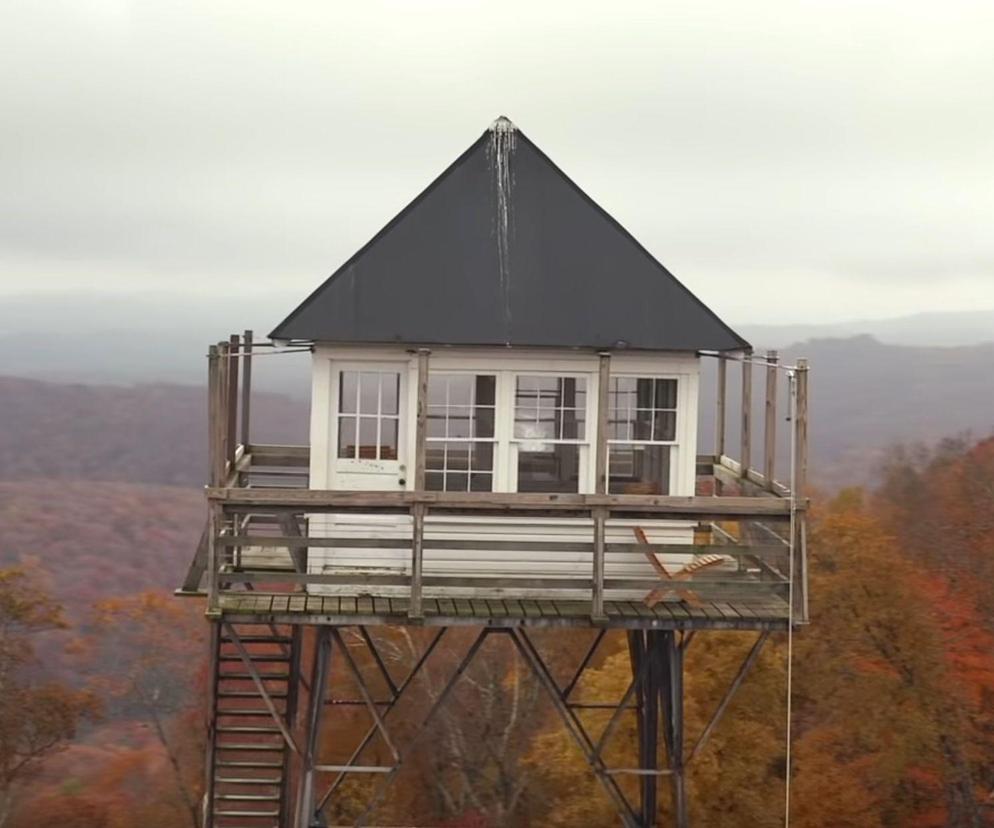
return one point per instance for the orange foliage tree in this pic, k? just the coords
(37, 717)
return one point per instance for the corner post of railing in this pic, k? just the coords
(247, 342)
(418, 508)
(770, 423)
(215, 472)
(231, 424)
(799, 492)
(746, 455)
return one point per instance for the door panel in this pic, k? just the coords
(369, 427)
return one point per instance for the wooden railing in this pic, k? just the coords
(259, 509)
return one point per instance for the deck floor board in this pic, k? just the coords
(767, 612)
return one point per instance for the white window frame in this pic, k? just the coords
(513, 447)
(471, 440)
(678, 426)
(504, 364)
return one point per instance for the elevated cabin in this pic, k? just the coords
(504, 434)
(505, 407)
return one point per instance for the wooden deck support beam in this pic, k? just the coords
(671, 654)
(319, 681)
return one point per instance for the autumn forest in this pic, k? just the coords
(102, 670)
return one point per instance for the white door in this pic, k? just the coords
(368, 450)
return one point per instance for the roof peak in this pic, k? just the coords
(502, 124)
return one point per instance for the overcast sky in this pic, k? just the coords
(789, 161)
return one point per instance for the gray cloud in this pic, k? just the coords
(842, 150)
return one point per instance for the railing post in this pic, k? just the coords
(600, 532)
(719, 410)
(246, 385)
(746, 457)
(799, 492)
(231, 435)
(418, 509)
(214, 473)
(421, 429)
(770, 426)
(417, 559)
(601, 455)
(801, 430)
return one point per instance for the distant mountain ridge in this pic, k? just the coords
(159, 337)
(933, 329)
(865, 397)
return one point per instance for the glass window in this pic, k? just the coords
(642, 409)
(549, 428)
(368, 414)
(459, 451)
(641, 434)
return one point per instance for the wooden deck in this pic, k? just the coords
(768, 613)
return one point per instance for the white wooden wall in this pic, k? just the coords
(326, 473)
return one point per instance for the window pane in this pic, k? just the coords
(390, 385)
(531, 430)
(456, 482)
(638, 469)
(437, 386)
(643, 424)
(346, 436)
(460, 389)
(555, 468)
(367, 438)
(388, 438)
(482, 456)
(458, 424)
(486, 388)
(435, 456)
(665, 427)
(665, 393)
(481, 482)
(434, 481)
(436, 421)
(348, 383)
(457, 456)
(483, 424)
(369, 392)
(643, 393)
(572, 424)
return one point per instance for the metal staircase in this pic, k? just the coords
(253, 711)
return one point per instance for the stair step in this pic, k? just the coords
(248, 676)
(248, 729)
(245, 711)
(249, 694)
(248, 764)
(249, 780)
(268, 658)
(247, 797)
(247, 814)
(259, 639)
(266, 747)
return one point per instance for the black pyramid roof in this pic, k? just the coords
(504, 249)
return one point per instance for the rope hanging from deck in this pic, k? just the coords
(791, 404)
